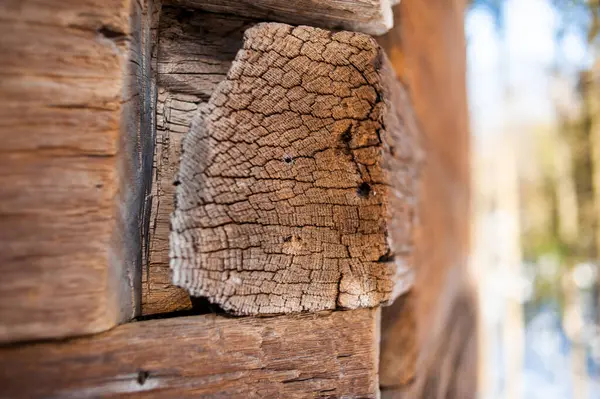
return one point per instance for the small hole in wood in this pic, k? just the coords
(388, 257)
(346, 137)
(288, 159)
(287, 239)
(111, 33)
(142, 376)
(377, 61)
(363, 190)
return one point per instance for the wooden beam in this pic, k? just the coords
(310, 355)
(296, 188)
(75, 166)
(427, 49)
(194, 53)
(373, 17)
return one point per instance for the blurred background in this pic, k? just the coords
(534, 92)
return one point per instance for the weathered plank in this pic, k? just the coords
(369, 16)
(195, 51)
(296, 189)
(312, 355)
(74, 106)
(427, 49)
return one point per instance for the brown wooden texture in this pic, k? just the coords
(74, 174)
(399, 344)
(427, 49)
(194, 53)
(317, 355)
(296, 188)
(369, 16)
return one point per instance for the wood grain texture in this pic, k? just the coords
(296, 188)
(373, 17)
(73, 174)
(400, 349)
(427, 49)
(194, 53)
(317, 355)
(135, 159)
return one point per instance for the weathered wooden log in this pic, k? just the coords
(296, 189)
(427, 50)
(194, 53)
(77, 143)
(369, 16)
(312, 355)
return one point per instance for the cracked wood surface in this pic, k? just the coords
(369, 16)
(330, 354)
(194, 53)
(296, 188)
(75, 132)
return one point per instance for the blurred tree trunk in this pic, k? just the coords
(589, 132)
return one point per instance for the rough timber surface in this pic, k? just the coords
(194, 53)
(427, 49)
(369, 16)
(296, 188)
(331, 355)
(75, 143)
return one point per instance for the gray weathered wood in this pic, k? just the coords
(194, 53)
(369, 16)
(317, 355)
(75, 166)
(296, 189)
(136, 150)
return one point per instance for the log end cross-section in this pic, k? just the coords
(297, 184)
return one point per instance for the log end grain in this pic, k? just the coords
(297, 184)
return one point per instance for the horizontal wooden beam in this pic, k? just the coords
(75, 105)
(369, 16)
(332, 354)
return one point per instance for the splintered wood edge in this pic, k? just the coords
(137, 135)
(374, 17)
(297, 183)
(332, 354)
